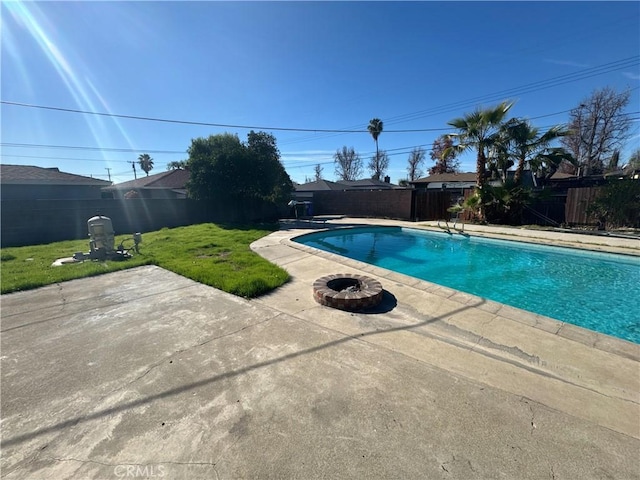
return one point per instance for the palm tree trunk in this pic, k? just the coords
(480, 169)
(480, 180)
(519, 170)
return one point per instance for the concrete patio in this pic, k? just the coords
(146, 374)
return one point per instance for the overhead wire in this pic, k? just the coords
(527, 88)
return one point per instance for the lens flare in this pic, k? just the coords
(85, 94)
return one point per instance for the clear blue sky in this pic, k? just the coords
(306, 65)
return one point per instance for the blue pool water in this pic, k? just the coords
(598, 291)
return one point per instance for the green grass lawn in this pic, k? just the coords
(207, 253)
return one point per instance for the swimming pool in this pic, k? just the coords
(598, 291)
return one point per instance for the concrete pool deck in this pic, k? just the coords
(143, 374)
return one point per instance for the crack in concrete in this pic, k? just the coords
(165, 462)
(71, 459)
(27, 460)
(442, 465)
(533, 417)
(481, 337)
(62, 297)
(222, 454)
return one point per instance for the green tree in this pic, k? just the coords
(500, 204)
(217, 165)
(613, 161)
(617, 204)
(548, 162)
(523, 142)
(499, 161)
(375, 129)
(272, 182)
(145, 162)
(222, 168)
(634, 160)
(479, 130)
(177, 165)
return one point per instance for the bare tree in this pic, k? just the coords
(348, 164)
(317, 171)
(444, 155)
(414, 163)
(378, 165)
(597, 128)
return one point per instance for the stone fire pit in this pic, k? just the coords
(347, 291)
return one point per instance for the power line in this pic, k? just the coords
(64, 158)
(182, 122)
(188, 122)
(587, 73)
(527, 88)
(523, 89)
(102, 149)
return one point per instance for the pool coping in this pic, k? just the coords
(597, 340)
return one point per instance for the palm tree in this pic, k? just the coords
(547, 162)
(479, 130)
(146, 163)
(524, 142)
(375, 129)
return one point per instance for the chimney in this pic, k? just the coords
(387, 179)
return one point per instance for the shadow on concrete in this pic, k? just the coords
(226, 376)
(388, 303)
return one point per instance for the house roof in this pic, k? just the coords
(171, 179)
(562, 176)
(363, 184)
(319, 185)
(447, 177)
(470, 178)
(31, 175)
(367, 184)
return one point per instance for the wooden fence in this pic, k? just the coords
(578, 201)
(365, 203)
(432, 205)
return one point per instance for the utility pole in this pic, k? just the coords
(109, 172)
(133, 164)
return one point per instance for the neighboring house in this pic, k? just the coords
(169, 184)
(628, 171)
(368, 184)
(456, 182)
(26, 182)
(305, 191)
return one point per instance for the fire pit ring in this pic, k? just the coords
(346, 291)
